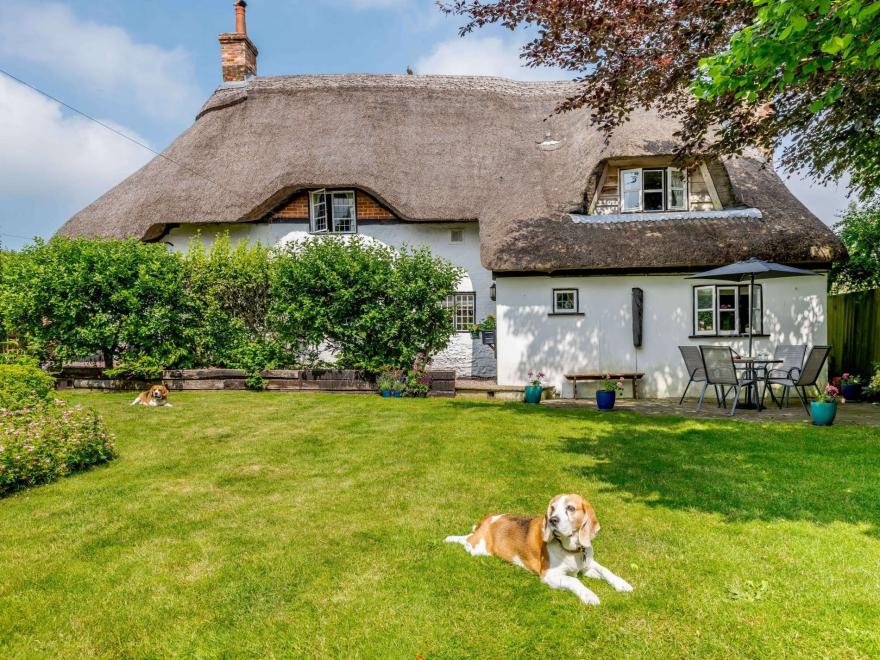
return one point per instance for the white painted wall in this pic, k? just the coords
(601, 340)
(467, 356)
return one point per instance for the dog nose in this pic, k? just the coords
(554, 520)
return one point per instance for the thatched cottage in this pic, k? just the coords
(557, 224)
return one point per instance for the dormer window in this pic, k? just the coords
(653, 189)
(332, 212)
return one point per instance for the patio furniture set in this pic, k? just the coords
(730, 373)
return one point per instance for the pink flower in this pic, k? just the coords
(830, 389)
(846, 375)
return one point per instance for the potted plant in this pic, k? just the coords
(850, 387)
(535, 388)
(823, 408)
(474, 329)
(385, 383)
(418, 381)
(397, 388)
(607, 393)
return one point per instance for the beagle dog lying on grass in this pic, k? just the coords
(157, 395)
(556, 547)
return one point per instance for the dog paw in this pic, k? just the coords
(622, 586)
(589, 598)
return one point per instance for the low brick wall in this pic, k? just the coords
(284, 380)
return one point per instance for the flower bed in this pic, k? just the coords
(40, 444)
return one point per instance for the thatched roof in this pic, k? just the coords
(444, 148)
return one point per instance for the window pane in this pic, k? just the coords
(566, 301)
(676, 179)
(319, 212)
(705, 321)
(631, 179)
(343, 211)
(705, 298)
(676, 199)
(727, 321)
(727, 299)
(653, 179)
(632, 201)
(653, 201)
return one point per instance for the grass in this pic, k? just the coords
(311, 525)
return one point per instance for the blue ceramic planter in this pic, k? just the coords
(851, 391)
(386, 393)
(823, 413)
(533, 393)
(605, 400)
(398, 394)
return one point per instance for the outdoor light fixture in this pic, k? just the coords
(492, 292)
(549, 143)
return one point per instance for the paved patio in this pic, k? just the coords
(850, 413)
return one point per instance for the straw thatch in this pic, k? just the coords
(444, 148)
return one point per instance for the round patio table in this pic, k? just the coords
(748, 363)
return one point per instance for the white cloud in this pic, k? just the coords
(483, 56)
(101, 58)
(48, 155)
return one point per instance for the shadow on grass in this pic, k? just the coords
(742, 471)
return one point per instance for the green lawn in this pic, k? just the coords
(282, 524)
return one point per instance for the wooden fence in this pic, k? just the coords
(854, 332)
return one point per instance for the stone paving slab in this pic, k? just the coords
(867, 414)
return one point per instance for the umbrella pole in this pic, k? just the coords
(751, 309)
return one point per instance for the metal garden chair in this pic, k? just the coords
(792, 356)
(693, 362)
(721, 372)
(799, 378)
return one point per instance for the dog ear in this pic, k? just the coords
(546, 531)
(589, 527)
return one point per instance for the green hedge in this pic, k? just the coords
(40, 444)
(245, 306)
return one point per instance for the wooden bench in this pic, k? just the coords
(635, 377)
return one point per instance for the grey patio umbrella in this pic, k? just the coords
(749, 271)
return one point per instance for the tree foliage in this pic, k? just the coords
(859, 229)
(801, 74)
(70, 298)
(371, 306)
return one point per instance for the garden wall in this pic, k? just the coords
(286, 380)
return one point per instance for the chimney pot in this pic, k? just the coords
(240, 18)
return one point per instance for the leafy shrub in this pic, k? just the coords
(24, 386)
(68, 298)
(141, 367)
(368, 304)
(41, 444)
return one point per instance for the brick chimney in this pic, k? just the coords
(238, 54)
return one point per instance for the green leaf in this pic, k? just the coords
(869, 11)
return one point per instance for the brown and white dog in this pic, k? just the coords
(557, 546)
(157, 395)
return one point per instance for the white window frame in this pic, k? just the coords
(741, 290)
(623, 190)
(454, 302)
(577, 302)
(684, 196)
(661, 189)
(666, 189)
(698, 309)
(321, 216)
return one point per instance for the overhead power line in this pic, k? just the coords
(119, 133)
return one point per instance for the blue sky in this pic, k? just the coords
(146, 67)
